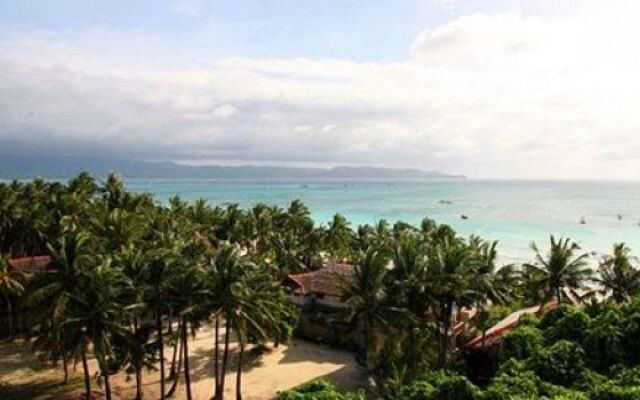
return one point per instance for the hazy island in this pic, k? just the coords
(48, 166)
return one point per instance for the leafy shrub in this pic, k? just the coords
(506, 387)
(548, 390)
(561, 364)
(451, 387)
(420, 390)
(528, 320)
(610, 391)
(552, 316)
(521, 343)
(631, 338)
(318, 390)
(625, 376)
(596, 308)
(589, 380)
(571, 395)
(603, 340)
(570, 324)
(512, 367)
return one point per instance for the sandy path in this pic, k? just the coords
(264, 374)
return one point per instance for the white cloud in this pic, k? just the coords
(504, 94)
(224, 111)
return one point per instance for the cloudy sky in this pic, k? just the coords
(486, 88)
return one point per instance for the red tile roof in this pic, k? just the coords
(325, 281)
(30, 264)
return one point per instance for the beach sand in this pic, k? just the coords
(22, 376)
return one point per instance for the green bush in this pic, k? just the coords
(625, 376)
(589, 380)
(561, 364)
(529, 320)
(420, 390)
(631, 338)
(548, 390)
(610, 391)
(570, 324)
(521, 343)
(513, 367)
(506, 387)
(603, 340)
(318, 390)
(552, 316)
(451, 387)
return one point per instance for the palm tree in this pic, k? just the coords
(451, 263)
(617, 275)
(338, 237)
(96, 310)
(53, 296)
(410, 275)
(186, 295)
(561, 268)
(10, 286)
(138, 346)
(224, 274)
(366, 297)
(489, 284)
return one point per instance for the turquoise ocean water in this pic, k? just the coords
(512, 212)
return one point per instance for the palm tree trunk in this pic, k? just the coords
(216, 344)
(369, 346)
(173, 374)
(107, 385)
(559, 295)
(176, 379)
(138, 383)
(185, 347)
(239, 373)
(225, 358)
(85, 368)
(445, 325)
(161, 350)
(65, 368)
(9, 316)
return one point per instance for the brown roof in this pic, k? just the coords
(325, 281)
(30, 264)
(495, 333)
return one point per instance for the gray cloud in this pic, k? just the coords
(486, 95)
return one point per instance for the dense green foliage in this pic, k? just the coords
(537, 368)
(135, 277)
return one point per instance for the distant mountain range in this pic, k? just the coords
(29, 166)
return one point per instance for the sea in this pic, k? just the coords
(515, 213)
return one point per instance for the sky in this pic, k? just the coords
(538, 89)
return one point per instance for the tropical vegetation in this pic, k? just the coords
(132, 279)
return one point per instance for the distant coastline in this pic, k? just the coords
(56, 167)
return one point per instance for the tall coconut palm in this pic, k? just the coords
(224, 276)
(186, 295)
(54, 294)
(451, 263)
(338, 238)
(410, 275)
(489, 284)
(617, 275)
(136, 348)
(562, 267)
(10, 287)
(366, 296)
(492, 284)
(96, 311)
